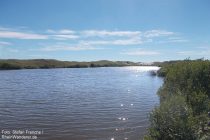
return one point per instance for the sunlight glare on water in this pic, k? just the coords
(143, 68)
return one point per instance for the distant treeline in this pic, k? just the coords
(9, 64)
(184, 110)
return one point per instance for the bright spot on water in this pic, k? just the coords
(125, 138)
(143, 68)
(121, 105)
(116, 129)
(131, 104)
(128, 90)
(112, 138)
(123, 119)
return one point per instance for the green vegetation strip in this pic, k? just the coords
(10, 64)
(183, 113)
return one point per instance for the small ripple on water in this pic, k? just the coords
(83, 104)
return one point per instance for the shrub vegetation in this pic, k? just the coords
(183, 113)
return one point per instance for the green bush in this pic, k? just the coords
(5, 66)
(184, 102)
(172, 120)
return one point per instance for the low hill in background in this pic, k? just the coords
(6, 64)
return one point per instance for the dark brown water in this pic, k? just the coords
(79, 104)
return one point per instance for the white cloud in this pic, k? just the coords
(91, 39)
(66, 31)
(64, 37)
(128, 37)
(123, 37)
(90, 45)
(21, 35)
(68, 47)
(4, 43)
(103, 33)
(50, 31)
(203, 52)
(9, 33)
(94, 42)
(4, 29)
(157, 33)
(122, 42)
(95, 39)
(105, 37)
(177, 39)
(140, 52)
(131, 41)
(63, 31)
(63, 34)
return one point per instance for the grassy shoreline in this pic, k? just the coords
(184, 110)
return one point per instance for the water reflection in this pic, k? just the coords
(79, 104)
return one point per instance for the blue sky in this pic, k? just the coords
(88, 30)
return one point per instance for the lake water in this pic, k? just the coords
(80, 103)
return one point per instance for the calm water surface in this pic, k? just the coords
(79, 104)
